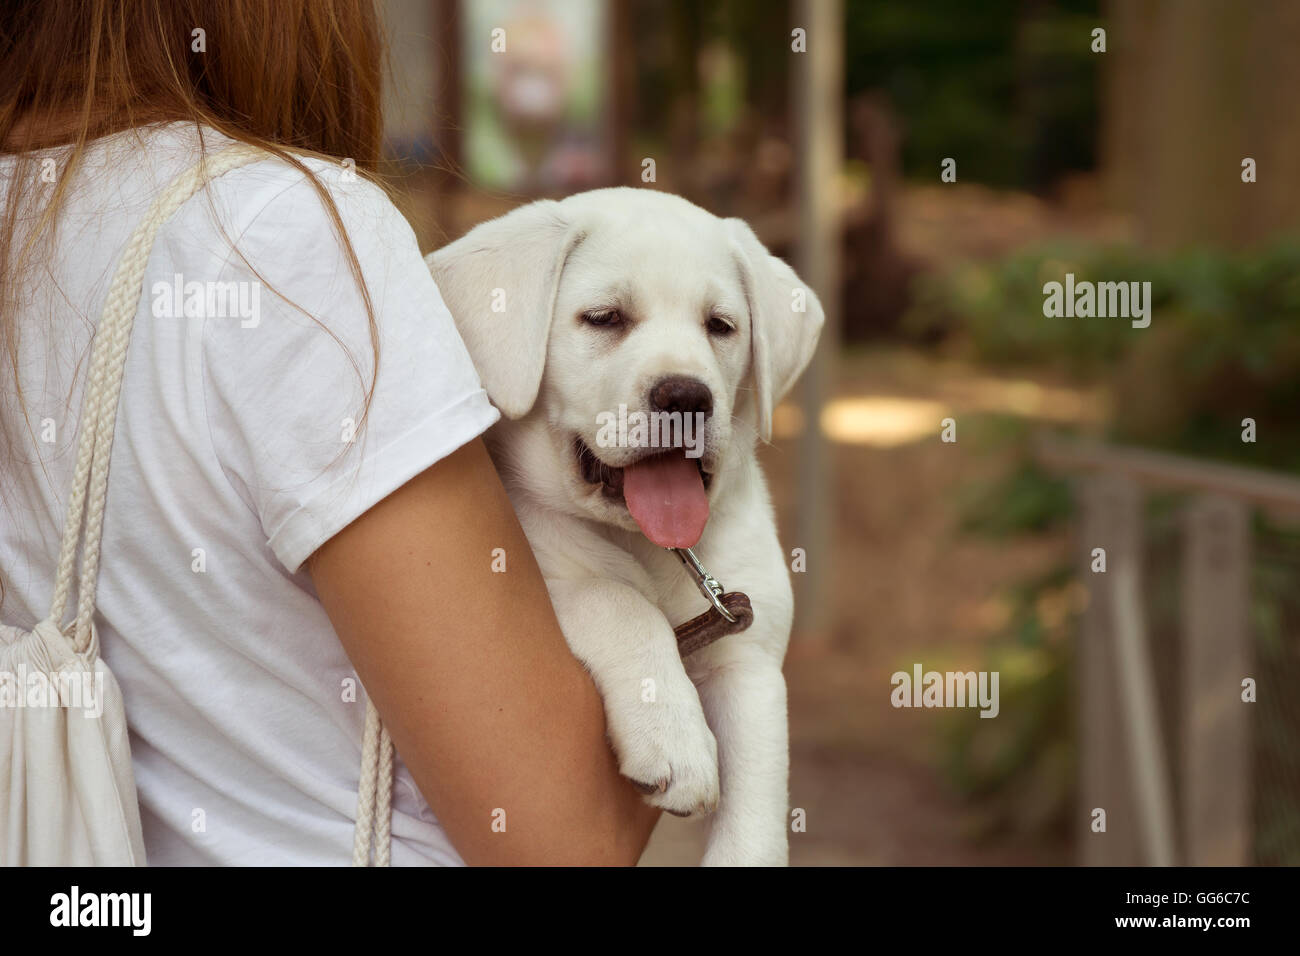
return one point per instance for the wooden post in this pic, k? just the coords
(1217, 654)
(1124, 766)
(1139, 695)
(818, 106)
(1108, 503)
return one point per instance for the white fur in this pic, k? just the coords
(715, 735)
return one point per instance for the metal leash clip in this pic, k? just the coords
(706, 582)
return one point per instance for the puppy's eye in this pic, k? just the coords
(603, 317)
(717, 326)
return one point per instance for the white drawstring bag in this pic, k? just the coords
(67, 791)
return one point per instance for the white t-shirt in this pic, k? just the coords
(231, 467)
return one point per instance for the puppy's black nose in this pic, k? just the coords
(678, 393)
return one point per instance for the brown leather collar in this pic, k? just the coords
(703, 630)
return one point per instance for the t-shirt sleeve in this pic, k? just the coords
(286, 376)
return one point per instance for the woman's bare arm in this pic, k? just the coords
(468, 667)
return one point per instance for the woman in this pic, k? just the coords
(298, 495)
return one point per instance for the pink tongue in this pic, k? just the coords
(666, 497)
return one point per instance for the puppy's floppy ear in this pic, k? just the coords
(511, 264)
(786, 321)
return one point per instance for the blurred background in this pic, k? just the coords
(1162, 149)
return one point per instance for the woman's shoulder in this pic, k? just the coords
(266, 214)
(145, 159)
(292, 188)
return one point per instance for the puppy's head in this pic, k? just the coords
(651, 338)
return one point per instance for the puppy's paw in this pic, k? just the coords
(666, 749)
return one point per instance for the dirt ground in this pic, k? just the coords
(909, 588)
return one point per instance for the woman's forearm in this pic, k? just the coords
(500, 726)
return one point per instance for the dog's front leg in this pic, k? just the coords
(745, 701)
(652, 710)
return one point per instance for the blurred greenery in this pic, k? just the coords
(1018, 770)
(1007, 87)
(1027, 499)
(1223, 345)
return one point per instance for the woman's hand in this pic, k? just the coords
(485, 703)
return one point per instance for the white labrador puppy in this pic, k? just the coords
(636, 298)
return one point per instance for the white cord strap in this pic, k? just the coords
(103, 386)
(90, 482)
(374, 794)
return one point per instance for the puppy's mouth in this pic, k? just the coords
(664, 491)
